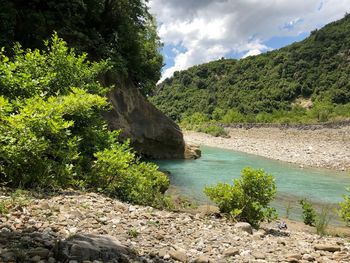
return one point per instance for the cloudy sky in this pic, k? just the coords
(198, 31)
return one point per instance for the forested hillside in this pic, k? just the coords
(269, 87)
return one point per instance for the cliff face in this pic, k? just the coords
(152, 134)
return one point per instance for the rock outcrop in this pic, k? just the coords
(152, 134)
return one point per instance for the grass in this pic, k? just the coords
(322, 221)
(133, 232)
(17, 200)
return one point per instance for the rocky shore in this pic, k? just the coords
(322, 147)
(87, 227)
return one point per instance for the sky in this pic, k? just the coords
(198, 31)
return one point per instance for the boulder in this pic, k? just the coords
(92, 247)
(152, 134)
(245, 227)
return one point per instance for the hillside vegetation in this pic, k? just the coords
(271, 87)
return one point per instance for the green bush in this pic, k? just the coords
(309, 213)
(39, 146)
(52, 133)
(322, 221)
(117, 172)
(212, 129)
(248, 198)
(233, 116)
(344, 211)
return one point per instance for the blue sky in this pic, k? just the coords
(198, 31)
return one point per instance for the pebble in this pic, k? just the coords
(163, 235)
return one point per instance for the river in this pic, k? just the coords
(322, 187)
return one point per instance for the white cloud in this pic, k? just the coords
(253, 52)
(210, 29)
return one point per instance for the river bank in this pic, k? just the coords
(75, 226)
(324, 147)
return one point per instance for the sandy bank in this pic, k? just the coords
(327, 148)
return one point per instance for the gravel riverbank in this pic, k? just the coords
(87, 227)
(324, 147)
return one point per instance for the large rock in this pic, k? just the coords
(151, 132)
(92, 247)
(245, 227)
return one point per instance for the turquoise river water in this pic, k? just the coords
(322, 187)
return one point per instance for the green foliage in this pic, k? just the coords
(248, 198)
(233, 116)
(265, 88)
(309, 213)
(118, 173)
(344, 211)
(17, 200)
(200, 122)
(212, 129)
(52, 133)
(288, 209)
(322, 221)
(132, 232)
(122, 30)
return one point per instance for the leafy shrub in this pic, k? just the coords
(248, 198)
(52, 133)
(344, 211)
(309, 213)
(212, 129)
(38, 144)
(322, 221)
(117, 172)
(233, 116)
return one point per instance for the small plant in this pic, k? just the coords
(309, 213)
(3, 207)
(17, 199)
(344, 211)
(288, 209)
(154, 223)
(322, 221)
(248, 198)
(133, 232)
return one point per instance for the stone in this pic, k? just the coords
(292, 260)
(40, 251)
(258, 255)
(36, 258)
(91, 247)
(207, 210)
(245, 227)
(162, 253)
(308, 257)
(8, 256)
(231, 252)
(297, 256)
(178, 255)
(202, 259)
(329, 247)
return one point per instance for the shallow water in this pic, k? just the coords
(321, 186)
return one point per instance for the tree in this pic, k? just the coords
(122, 30)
